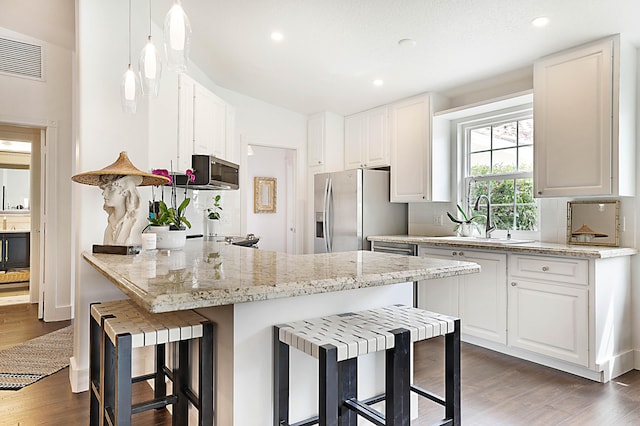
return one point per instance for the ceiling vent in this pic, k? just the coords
(20, 59)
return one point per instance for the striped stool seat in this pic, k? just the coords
(119, 326)
(337, 340)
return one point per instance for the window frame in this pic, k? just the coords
(492, 118)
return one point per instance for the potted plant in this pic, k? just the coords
(170, 223)
(214, 216)
(465, 226)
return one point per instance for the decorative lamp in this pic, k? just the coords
(150, 65)
(129, 90)
(119, 182)
(177, 37)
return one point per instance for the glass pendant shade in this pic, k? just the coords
(177, 38)
(150, 69)
(129, 91)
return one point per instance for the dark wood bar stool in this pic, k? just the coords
(337, 341)
(120, 326)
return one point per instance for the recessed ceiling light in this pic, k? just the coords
(378, 82)
(277, 36)
(540, 21)
(407, 42)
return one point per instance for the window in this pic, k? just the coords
(499, 164)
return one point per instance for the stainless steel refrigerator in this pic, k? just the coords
(351, 205)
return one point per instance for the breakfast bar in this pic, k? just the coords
(245, 292)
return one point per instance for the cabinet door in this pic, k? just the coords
(549, 319)
(15, 250)
(185, 122)
(376, 148)
(315, 140)
(209, 123)
(439, 295)
(410, 130)
(483, 297)
(573, 122)
(354, 140)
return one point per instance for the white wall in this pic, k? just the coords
(271, 227)
(40, 104)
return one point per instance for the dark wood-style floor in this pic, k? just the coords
(496, 389)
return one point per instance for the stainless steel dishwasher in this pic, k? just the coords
(406, 249)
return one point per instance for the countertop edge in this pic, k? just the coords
(594, 252)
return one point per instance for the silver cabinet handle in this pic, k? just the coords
(545, 268)
(455, 253)
(513, 283)
(6, 250)
(461, 253)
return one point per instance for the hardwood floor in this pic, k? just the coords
(496, 389)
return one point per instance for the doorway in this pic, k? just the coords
(275, 226)
(20, 197)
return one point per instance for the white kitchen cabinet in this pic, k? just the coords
(203, 120)
(420, 150)
(325, 142)
(480, 299)
(584, 112)
(366, 137)
(549, 319)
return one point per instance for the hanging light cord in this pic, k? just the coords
(149, 18)
(129, 33)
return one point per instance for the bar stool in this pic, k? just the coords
(337, 340)
(116, 328)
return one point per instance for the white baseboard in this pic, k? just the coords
(618, 365)
(79, 378)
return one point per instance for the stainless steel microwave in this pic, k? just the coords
(212, 173)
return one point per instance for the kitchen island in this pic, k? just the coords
(246, 291)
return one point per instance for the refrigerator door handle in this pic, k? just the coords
(329, 222)
(325, 215)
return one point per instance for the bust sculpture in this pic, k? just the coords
(119, 182)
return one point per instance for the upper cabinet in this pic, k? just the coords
(205, 123)
(584, 112)
(366, 137)
(420, 150)
(325, 142)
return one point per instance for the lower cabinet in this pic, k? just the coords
(550, 319)
(480, 300)
(569, 313)
(15, 250)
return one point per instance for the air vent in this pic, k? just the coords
(20, 59)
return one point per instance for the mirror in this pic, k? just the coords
(264, 195)
(593, 222)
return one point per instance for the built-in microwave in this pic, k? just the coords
(212, 173)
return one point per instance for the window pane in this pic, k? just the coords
(480, 139)
(480, 164)
(527, 217)
(525, 132)
(504, 160)
(502, 192)
(505, 136)
(502, 217)
(525, 159)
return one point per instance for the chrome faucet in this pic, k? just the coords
(489, 228)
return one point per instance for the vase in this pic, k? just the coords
(465, 230)
(167, 239)
(213, 226)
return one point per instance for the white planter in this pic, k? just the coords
(167, 239)
(213, 227)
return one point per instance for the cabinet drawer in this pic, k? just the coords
(564, 270)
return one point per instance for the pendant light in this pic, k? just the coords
(129, 88)
(177, 37)
(150, 65)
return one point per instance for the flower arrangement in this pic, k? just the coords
(173, 216)
(214, 212)
(465, 226)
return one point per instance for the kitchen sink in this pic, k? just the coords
(483, 241)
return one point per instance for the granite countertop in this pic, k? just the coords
(208, 273)
(537, 247)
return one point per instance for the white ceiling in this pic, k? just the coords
(333, 49)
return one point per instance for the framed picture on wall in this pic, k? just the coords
(264, 194)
